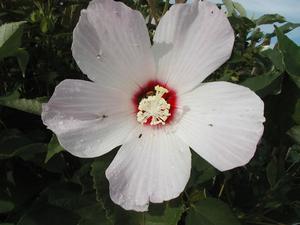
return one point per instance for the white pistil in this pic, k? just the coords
(154, 106)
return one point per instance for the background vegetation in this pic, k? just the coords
(40, 184)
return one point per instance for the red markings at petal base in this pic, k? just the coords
(148, 89)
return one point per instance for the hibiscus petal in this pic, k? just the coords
(154, 167)
(112, 46)
(88, 119)
(222, 122)
(191, 42)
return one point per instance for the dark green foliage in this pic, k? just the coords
(41, 184)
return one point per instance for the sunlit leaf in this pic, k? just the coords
(238, 6)
(10, 38)
(261, 82)
(291, 56)
(270, 19)
(33, 106)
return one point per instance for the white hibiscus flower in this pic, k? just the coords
(150, 99)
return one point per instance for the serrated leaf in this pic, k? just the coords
(93, 215)
(211, 211)
(10, 38)
(53, 148)
(291, 56)
(165, 214)
(98, 173)
(270, 19)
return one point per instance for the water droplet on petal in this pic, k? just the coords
(100, 55)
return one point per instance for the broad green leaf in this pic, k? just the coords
(275, 56)
(98, 173)
(6, 206)
(164, 214)
(33, 106)
(211, 211)
(93, 215)
(100, 183)
(291, 56)
(294, 133)
(260, 83)
(201, 172)
(270, 19)
(158, 214)
(13, 143)
(53, 148)
(10, 38)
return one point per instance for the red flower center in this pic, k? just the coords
(148, 90)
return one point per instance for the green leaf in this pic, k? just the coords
(291, 56)
(294, 133)
(33, 106)
(275, 56)
(165, 214)
(260, 83)
(6, 206)
(93, 215)
(296, 113)
(211, 211)
(168, 213)
(46, 214)
(270, 19)
(229, 6)
(201, 172)
(13, 143)
(53, 148)
(99, 179)
(287, 27)
(272, 172)
(10, 38)
(240, 9)
(294, 154)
